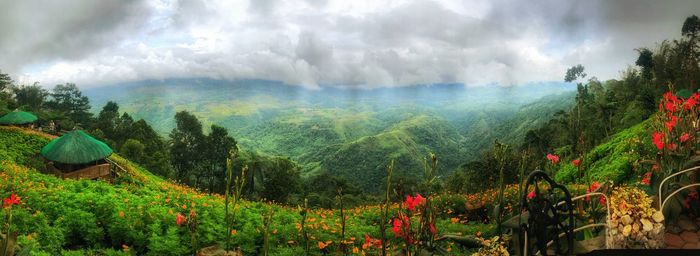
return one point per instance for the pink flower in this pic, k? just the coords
(553, 158)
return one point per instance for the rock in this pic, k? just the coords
(646, 225)
(673, 240)
(626, 219)
(690, 246)
(626, 230)
(690, 237)
(673, 229)
(686, 224)
(658, 217)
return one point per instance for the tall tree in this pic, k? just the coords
(30, 97)
(646, 62)
(219, 144)
(187, 143)
(108, 119)
(69, 100)
(5, 83)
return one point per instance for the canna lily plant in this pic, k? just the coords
(675, 139)
(7, 242)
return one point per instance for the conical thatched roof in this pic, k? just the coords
(76, 147)
(18, 117)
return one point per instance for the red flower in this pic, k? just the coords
(595, 185)
(553, 158)
(602, 200)
(377, 243)
(10, 201)
(672, 123)
(658, 140)
(670, 102)
(396, 227)
(671, 146)
(646, 179)
(432, 228)
(684, 137)
(369, 241)
(531, 195)
(412, 202)
(179, 219)
(691, 102)
(576, 162)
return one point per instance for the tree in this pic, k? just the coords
(30, 97)
(108, 119)
(691, 27)
(574, 73)
(646, 62)
(133, 150)
(219, 144)
(5, 83)
(282, 180)
(69, 100)
(187, 144)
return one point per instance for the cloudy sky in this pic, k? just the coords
(316, 43)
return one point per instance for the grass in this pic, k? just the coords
(136, 212)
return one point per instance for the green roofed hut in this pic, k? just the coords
(18, 118)
(77, 155)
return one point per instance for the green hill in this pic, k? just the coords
(408, 143)
(136, 212)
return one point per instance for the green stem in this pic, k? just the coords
(7, 233)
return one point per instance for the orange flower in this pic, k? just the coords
(233, 232)
(322, 245)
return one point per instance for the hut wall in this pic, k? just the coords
(92, 172)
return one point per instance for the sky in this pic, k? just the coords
(317, 43)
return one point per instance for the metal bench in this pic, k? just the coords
(546, 221)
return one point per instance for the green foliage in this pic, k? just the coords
(20, 147)
(133, 149)
(616, 160)
(70, 101)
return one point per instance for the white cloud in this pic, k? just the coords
(313, 43)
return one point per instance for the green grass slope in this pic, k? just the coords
(617, 159)
(135, 213)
